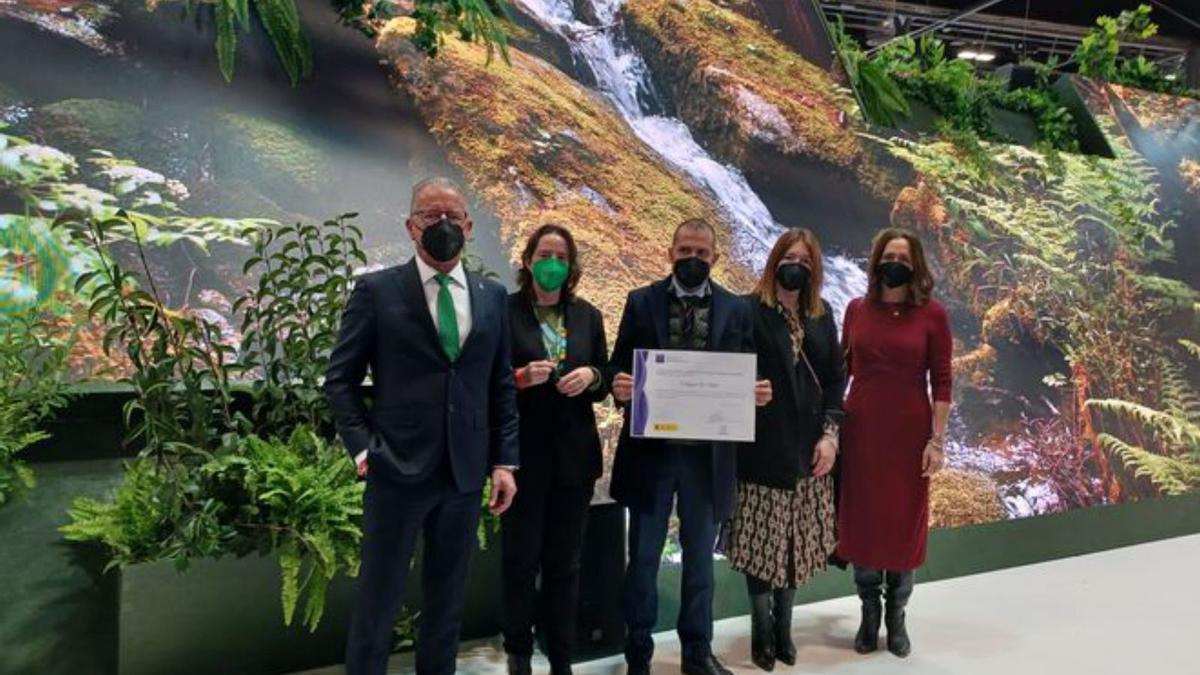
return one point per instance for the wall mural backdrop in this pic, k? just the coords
(1071, 278)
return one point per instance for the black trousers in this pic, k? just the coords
(542, 535)
(394, 515)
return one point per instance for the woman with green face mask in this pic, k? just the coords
(558, 353)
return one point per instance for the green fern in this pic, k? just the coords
(1171, 475)
(1179, 397)
(32, 387)
(1175, 467)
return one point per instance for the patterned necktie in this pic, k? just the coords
(447, 318)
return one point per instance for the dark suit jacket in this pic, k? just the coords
(787, 429)
(426, 410)
(559, 442)
(644, 326)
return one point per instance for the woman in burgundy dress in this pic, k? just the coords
(897, 345)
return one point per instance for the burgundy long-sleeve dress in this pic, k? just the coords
(898, 357)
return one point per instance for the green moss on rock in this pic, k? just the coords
(268, 154)
(747, 94)
(80, 125)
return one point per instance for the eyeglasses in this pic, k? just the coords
(429, 217)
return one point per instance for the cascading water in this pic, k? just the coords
(622, 76)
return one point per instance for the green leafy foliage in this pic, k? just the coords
(280, 19)
(883, 101)
(471, 19)
(210, 479)
(32, 388)
(290, 320)
(1099, 54)
(181, 381)
(41, 260)
(920, 70)
(300, 498)
(481, 20)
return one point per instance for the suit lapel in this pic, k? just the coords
(576, 332)
(660, 312)
(722, 305)
(477, 298)
(408, 279)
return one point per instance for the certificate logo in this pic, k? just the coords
(660, 358)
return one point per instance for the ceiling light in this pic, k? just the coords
(972, 55)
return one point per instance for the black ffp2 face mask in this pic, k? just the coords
(793, 276)
(691, 273)
(443, 240)
(894, 274)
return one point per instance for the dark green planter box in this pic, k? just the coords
(224, 616)
(1020, 127)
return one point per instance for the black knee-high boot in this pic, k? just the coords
(762, 633)
(785, 649)
(870, 585)
(899, 590)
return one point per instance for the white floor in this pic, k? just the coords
(1131, 611)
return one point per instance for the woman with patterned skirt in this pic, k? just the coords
(783, 529)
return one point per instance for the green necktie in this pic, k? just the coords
(447, 318)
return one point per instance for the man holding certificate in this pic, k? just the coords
(678, 442)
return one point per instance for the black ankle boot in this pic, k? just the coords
(897, 633)
(785, 649)
(867, 639)
(762, 634)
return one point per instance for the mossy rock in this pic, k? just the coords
(81, 125)
(750, 98)
(274, 157)
(538, 147)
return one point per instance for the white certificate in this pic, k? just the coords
(695, 396)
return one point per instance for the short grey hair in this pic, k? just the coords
(434, 182)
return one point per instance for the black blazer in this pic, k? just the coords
(787, 429)
(426, 409)
(559, 441)
(644, 326)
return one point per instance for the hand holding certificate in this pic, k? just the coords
(699, 396)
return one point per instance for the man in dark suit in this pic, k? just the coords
(436, 339)
(691, 312)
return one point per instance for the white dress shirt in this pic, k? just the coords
(458, 293)
(462, 306)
